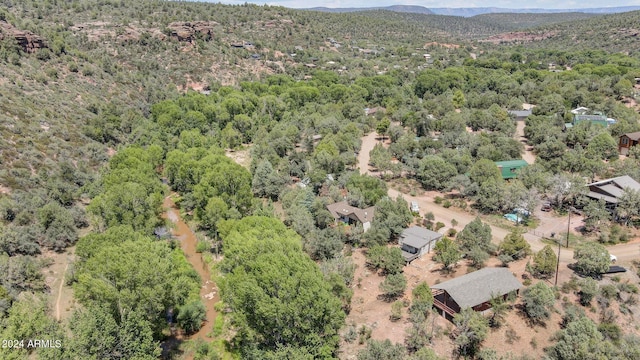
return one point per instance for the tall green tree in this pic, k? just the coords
(490, 196)
(475, 234)
(266, 182)
(603, 147)
(544, 262)
(592, 259)
(371, 188)
(139, 275)
(627, 208)
(98, 335)
(579, 340)
(447, 253)
(435, 173)
(484, 170)
(276, 292)
(515, 246)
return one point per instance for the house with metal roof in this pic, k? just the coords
(520, 114)
(509, 169)
(417, 241)
(580, 110)
(610, 190)
(348, 214)
(474, 290)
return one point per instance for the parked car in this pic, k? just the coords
(414, 207)
(613, 258)
(514, 218)
(546, 207)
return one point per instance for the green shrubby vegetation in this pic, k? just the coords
(267, 274)
(103, 113)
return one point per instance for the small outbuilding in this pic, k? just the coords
(520, 115)
(474, 290)
(509, 169)
(417, 241)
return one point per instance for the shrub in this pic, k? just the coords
(393, 286)
(588, 289)
(396, 310)
(191, 317)
(202, 246)
(538, 301)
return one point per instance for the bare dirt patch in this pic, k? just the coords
(516, 336)
(367, 309)
(60, 295)
(519, 37)
(240, 157)
(4, 189)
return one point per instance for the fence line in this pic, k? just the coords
(537, 233)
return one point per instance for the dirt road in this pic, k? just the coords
(368, 143)
(528, 155)
(548, 223)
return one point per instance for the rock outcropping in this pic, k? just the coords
(188, 31)
(28, 41)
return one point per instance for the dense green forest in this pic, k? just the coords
(101, 122)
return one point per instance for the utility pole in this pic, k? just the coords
(557, 264)
(571, 208)
(569, 224)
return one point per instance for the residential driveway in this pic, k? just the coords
(368, 143)
(528, 155)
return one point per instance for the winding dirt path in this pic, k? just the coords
(60, 292)
(208, 290)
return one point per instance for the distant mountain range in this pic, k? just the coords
(415, 9)
(468, 12)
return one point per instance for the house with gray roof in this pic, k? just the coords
(610, 190)
(519, 115)
(474, 290)
(348, 214)
(417, 241)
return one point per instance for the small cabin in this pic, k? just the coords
(417, 241)
(627, 141)
(474, 290)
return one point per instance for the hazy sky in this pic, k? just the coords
(512, 4)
